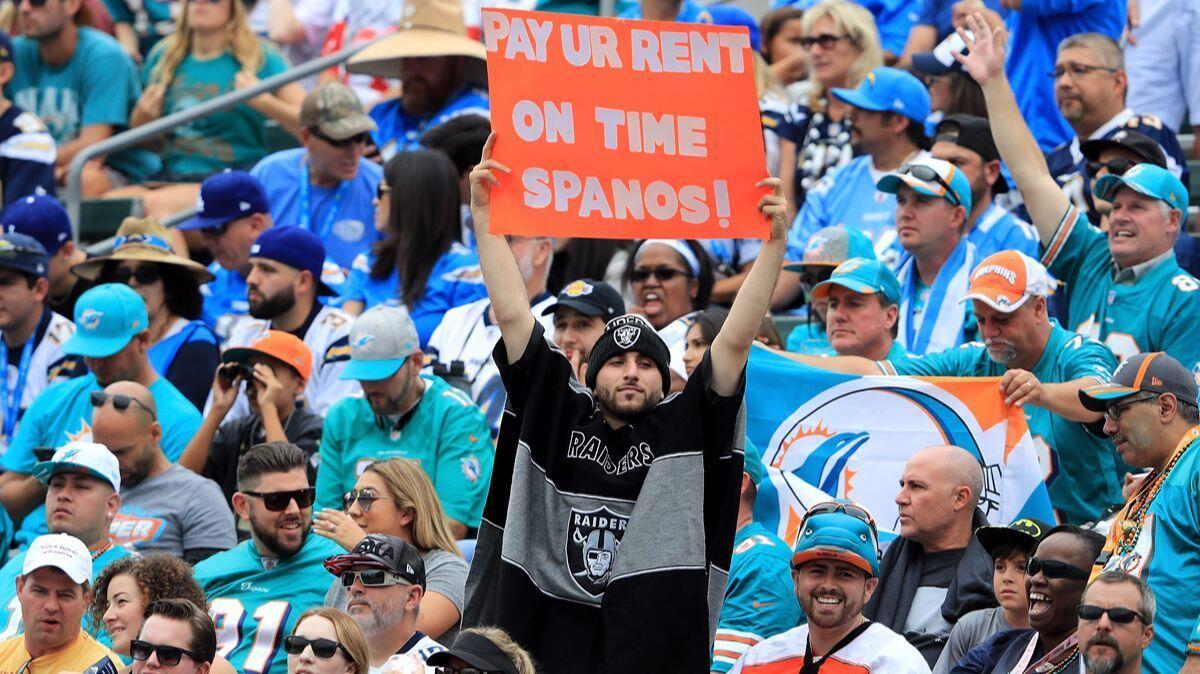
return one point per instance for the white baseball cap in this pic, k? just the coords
(91, 458)
(61, 551)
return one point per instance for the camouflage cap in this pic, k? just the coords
(334, 110)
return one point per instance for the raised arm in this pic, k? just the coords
(501, 275)
(1018, 148)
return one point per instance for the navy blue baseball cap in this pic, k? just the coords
(24, 254)
(227, 196)
(40, 216)
(889, 90)
(296, 247)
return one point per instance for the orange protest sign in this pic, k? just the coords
(623, 129)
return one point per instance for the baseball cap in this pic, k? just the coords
(931, 177)
(830, 530)
(889, 90)
(833, 245)
(1004, 280)
(61, 551)
(477, 651)
(629, 332)
(1153, 181)
(282, 346)
(106, 318)
(24, 254)
(590, 298)
(1140, 144)
(296, 247)
(334, 110)
(974, 134)
(381, 339)
(380, 551)
(91, 458)
(1024, 534)
(1150, 372)
(941, 60)
(863, 276)
(40, 216)
(753, 465)
(227, 196)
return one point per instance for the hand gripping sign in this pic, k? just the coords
(623, 129)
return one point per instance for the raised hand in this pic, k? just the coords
(483, 178)
(985, 59)
(774, 206)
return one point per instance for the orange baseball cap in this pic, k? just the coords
(1004, 280)
(282, 346)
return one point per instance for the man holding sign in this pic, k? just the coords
(608, 531)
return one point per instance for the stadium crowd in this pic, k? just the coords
(330, 423)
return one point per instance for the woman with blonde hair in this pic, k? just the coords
(487, 649)
(327, 641)
(212, 52)
(395, 497)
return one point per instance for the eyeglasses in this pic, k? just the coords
(927, 174)
(144, 275)
(1115, 410)
(120, 402)
(373, 578)
(1116, 167)
(322, 648)
(359, 139)
(465, 670)
(364, 497)
(661, 274)
(1052, 569)
(168, 656)
(826, 40)
(1077, 70)
(276, 501)
(1122, 616)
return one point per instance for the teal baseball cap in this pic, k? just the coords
(754, 465)
(889, 90)
(867, 277)
(833, 245)
(931, 177)
(841, 530)
(106, 318)
(1153, 181)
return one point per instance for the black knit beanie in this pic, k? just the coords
(629, 332)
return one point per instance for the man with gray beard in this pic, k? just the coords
(1116, 623)
(1041, 367)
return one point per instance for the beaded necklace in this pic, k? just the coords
(1134, 516)
(1049, 668)
(103, 549)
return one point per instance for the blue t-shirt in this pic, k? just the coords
(454, 280)
(400, 131)
(224, 299)
(999, 230)
(63, 413)
(10, 606)
(1036, 29)
(342, 217)
(1082, 470)
(846, 197)
(27, 155)
(98, 85)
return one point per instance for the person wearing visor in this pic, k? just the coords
(828, 248)
(835, 567)
(862, 299)
(1150, 413)
(485, 650)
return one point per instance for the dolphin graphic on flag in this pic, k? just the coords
(823, 434)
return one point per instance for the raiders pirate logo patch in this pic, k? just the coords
(627, 335)
(592, 540)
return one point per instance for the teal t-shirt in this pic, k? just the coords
(98, 85)
(1083, 471)
(1160, 312)
(231, 138)
(446, 433)
(809, 338)
(256, 603)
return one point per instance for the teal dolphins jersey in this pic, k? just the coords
(1159, 310)
(1083, 471)
(255, 601)
(10, 607)
(760, 600)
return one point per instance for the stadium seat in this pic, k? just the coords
(100, 218)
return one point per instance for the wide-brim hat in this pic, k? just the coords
(142, 248)
(425, 28)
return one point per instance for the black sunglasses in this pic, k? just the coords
(373, 578)
(927, 174)
(144, 275)
(826, 40)
(1116, 167)
(1123, 616)
(168, 656)
(358, 139)
(662, 274)
(322, 648)
(364, 497)
(276, 501)
(120, 401)
(1052, 569)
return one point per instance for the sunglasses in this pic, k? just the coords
(1116, 167)
(855, 511)
(1122, 616)
(465, 670)
(35, 3)
(276, 501)
(120, 402)
(359, 139)
(168, 656)
(364, 497)
(662, 274)
(1113, 412)
(1052, 569)
(144, 275)
(927, 174)
(373, 578)
(826, 40)
(322, 648)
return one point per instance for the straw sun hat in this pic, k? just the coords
(143, 240)
(425, 28)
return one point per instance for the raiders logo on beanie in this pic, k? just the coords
(629, 332)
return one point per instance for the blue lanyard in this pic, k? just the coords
(12, 401)
(937, 294)
(332, 210)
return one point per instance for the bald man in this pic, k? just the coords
(937, 570)
(164, 507)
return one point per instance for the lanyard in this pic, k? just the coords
(937, 294)
(813, 664)
(11, 400)
(331, 212)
